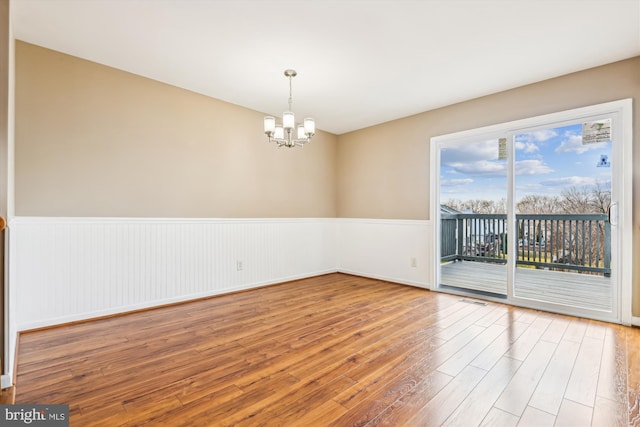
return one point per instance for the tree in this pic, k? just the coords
(538, 204)
(479, 206)
(595, 199)
(601, 197)
(587, 199)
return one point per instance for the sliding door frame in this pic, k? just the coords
(622, 109)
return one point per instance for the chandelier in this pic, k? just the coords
(283, 134)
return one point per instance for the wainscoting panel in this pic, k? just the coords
(394, 250)
(68, 269)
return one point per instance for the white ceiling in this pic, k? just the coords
(359, 62)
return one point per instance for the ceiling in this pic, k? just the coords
(359, 62)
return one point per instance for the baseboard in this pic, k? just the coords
(93, 267)
(385, 278)
(390, 250)
(635, 321)
(30, 326)
(5, 381)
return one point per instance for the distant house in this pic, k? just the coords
(444, 209)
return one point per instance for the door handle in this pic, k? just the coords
(613, 213)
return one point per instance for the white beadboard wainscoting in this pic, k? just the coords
(393, 250)
(66, 269)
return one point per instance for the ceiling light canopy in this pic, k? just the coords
(283, 134)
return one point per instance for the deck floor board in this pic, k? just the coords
(574, 289)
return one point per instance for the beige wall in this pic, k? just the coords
(95, 141)
(383, 171)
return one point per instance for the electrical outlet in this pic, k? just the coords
(239, 265)
(414, 262)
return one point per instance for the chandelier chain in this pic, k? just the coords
(290, 93)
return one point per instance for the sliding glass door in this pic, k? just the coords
(563, 188)
(473, 202)
(528, 212)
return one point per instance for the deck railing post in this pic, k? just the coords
(460, 229)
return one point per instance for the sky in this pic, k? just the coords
(547, 161)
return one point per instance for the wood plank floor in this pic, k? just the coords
(336, 350)
(574, 289)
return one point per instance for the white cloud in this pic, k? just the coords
(483, 150)
(481, 167)
(568, 181)
(487, 168)
(543, 135)
(455, 182)
(532, 167)
(523, 188)
(573, 144)
(528, 147)
(528, 140)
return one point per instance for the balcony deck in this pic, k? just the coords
(574, 289)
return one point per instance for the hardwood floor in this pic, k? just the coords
(336, 350)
